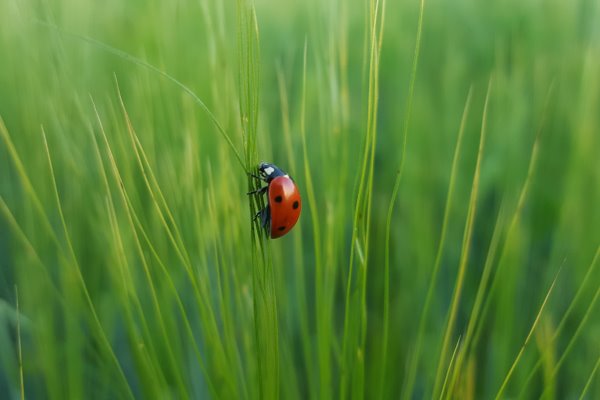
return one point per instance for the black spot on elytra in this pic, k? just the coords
(281, 228)
(278, 199)
(295, 205)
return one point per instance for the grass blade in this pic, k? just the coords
(529, 335)
(128, 57)
(414, 359)
(407, 392)
(19, 348)
(590, 380)
(466, 246)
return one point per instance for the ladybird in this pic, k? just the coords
(283, 200)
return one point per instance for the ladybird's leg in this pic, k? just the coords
(265, 217)
(260, 178)
(259, 191)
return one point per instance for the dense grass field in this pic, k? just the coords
(448, 158)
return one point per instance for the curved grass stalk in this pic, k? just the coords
(135, 60)
(298, 252)
(398, 180)
(466, 246)
(19, 349)
(378, 42)
(174, 237)
(360, 224)
(151, 181)
(590, 380)
(102, 333)
(323, 348)
(450, 366)
(224, 293)
(487, 269)
(515, 216)
(564, 318)
(372, 114)
(27, 185)
(414, 360)
(573, 339)
(20, 234)
(533, 326)
(136, 225)
(156, 380)
(158, 377)
(26, 182)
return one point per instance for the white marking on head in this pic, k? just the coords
(269, 170)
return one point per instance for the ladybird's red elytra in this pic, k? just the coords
(283, 201)
(285, 204)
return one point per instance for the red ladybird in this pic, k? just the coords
(283, 198)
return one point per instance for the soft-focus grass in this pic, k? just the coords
(448, 174)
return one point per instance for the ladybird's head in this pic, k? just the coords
(269, 171)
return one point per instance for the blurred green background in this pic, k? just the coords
(142, 280)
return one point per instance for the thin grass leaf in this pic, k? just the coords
(576, 334)
(298, 248)
(458, 286)
(481, 290)
(352, 368)
(450, 366)
(128, 57)
(20, 234)
(19, 347)
(529, 335)
(102, 333)
(414, 359)
(407, 390)
(516, 216)
(566, 316)
(590, 380)
(322, 313)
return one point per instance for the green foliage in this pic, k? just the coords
(447, 154)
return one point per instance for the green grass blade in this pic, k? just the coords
(80, 277)
(19, 347)
(451, 367)
(322, 313)
(590, 380)
(128, 57)
(529, 335)
(458, 287)
(407, 391)
(481, 290)
(566, 316)
(516, 216)
(576, 334)
(414, 359)
(353, 342)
